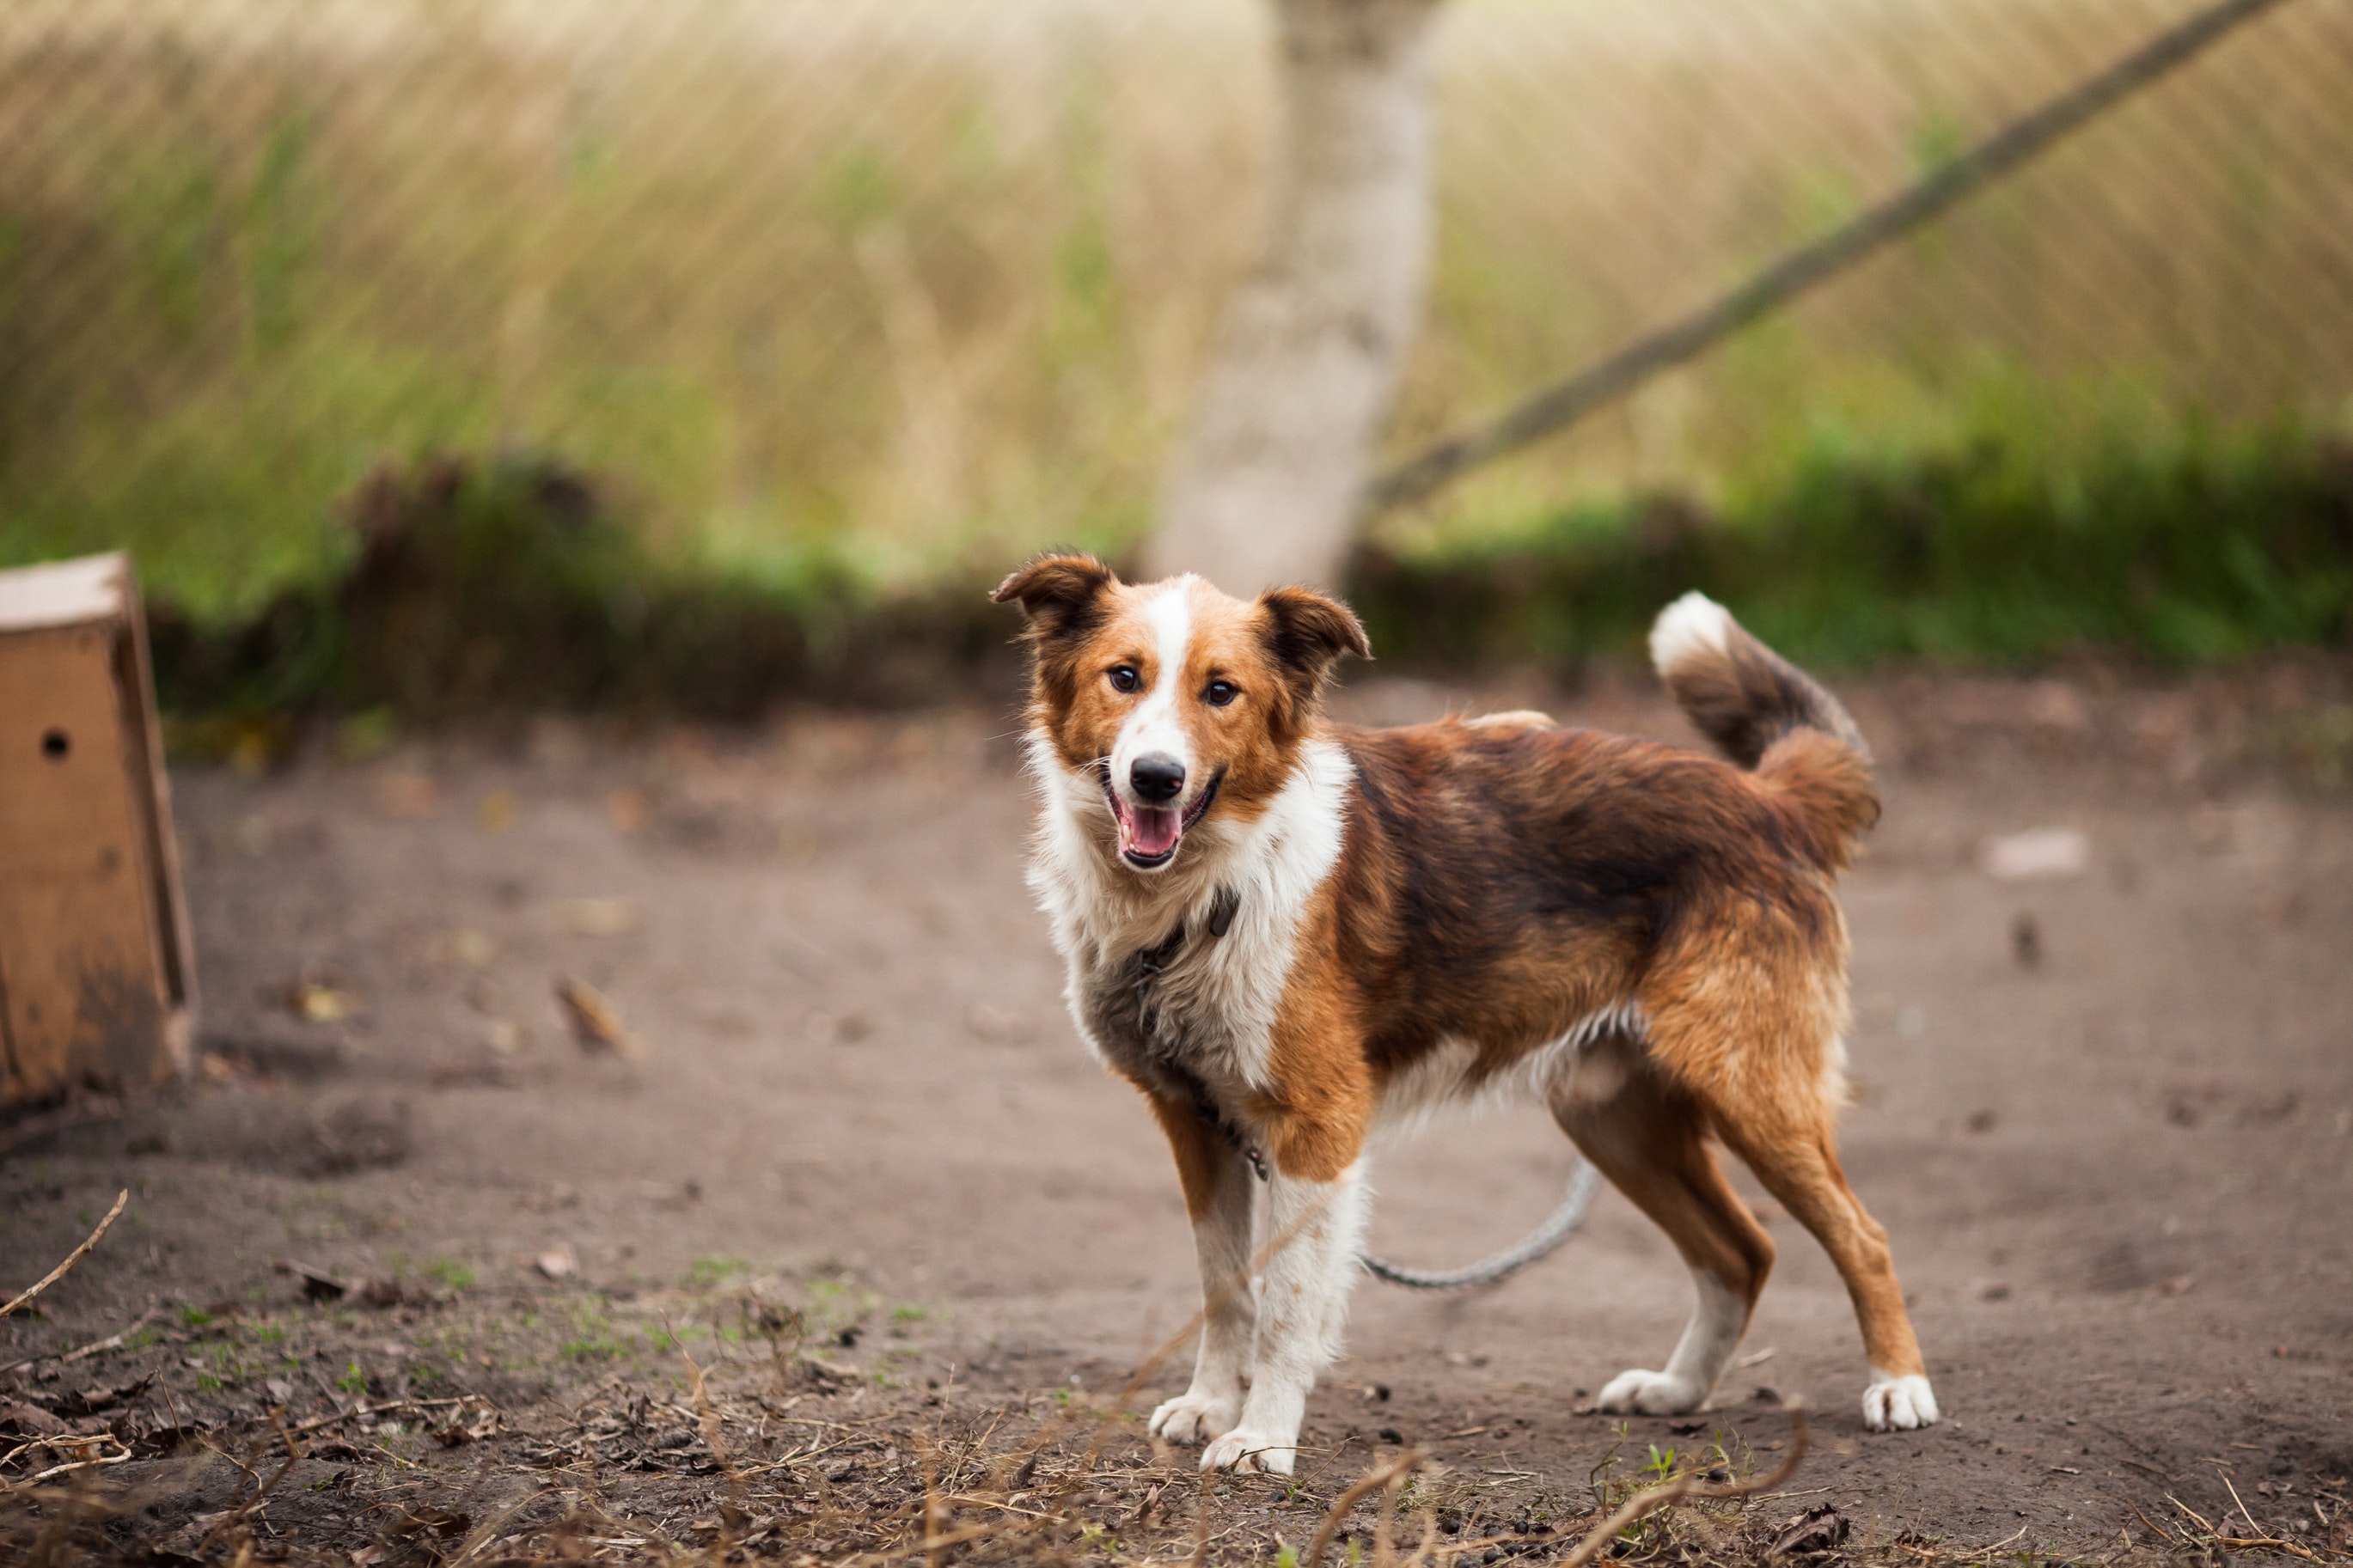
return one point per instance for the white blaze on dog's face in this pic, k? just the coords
(1180, 699)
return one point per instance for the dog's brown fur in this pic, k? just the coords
(1506, 882)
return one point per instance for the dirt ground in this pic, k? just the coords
(2107, 1118)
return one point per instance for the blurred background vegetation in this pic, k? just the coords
(715, 346)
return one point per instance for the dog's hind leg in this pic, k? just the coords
(1649, 1136)
(1217, 1181)
(1796, 1156)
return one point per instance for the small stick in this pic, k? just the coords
(1383, 1551)
(79, 1464)
(1368, 1483)
(2005, 1541)
(318, 1422)
(482, 1535)
(1688, 1485)
(262, 1494)
(2242, 1506)
(113, 1341)
(2164, 1534)
(54, 1275)
(2193, 1513)
(934, 1511)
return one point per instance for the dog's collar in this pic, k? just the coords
(1151, 961)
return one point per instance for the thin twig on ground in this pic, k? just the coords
(113, 1341)
(1365, 1485)
(75, 1256)
(1689, 1485)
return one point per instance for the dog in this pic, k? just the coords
(1287, 932)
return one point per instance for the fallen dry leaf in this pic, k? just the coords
(224, 1068)
(317, 1284)
(1820, 1528)
(597, 917)
(315, 1003)
(2036, 853)
(595, 1024)
(30, 1421)
(468, 1423)
(466, 947)
(102, 1396)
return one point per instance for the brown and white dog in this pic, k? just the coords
(1287, 932)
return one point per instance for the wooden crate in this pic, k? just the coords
(96, 972)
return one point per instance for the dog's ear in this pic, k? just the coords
(1061, 595)
(1308, 633)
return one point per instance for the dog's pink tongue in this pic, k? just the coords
(1152, 830)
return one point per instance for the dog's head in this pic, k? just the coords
(1181, 700)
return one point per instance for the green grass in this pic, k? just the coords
(823, 362)
(2003, 526)
(450, 1274)
(705, 1273)
(2013, 528)
(594, 1338)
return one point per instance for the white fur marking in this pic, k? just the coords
(1441, 1078)
(1302, 1306)
(1904, 1403)
(1708, 1341)
(1221, 1372)
(1516, 719)
(1694, 627)
(1102, 913)
(1157, 724)
(1223, 995)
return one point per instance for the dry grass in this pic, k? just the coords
(792, 1459)
(762, 1449)
(900, 283)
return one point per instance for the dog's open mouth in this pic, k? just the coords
(1148, 835)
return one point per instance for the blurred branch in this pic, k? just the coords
(75, 1256)
(1811, 264)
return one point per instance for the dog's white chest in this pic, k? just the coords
(1157, 992)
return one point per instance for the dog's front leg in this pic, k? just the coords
(1314, 1232)
(1217, 1181)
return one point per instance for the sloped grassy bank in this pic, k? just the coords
(2200, 551)
(512, 584)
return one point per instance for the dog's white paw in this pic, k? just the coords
(1640, 1393)
(1195, 1417)
(1898, 1404)
(1246, 1452)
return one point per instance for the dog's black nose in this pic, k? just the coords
(1157, 777)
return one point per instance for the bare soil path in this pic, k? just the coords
(2107, 1118)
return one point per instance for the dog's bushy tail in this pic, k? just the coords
(1767, 715)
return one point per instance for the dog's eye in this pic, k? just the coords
(1123, 677)
(1220, 693)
